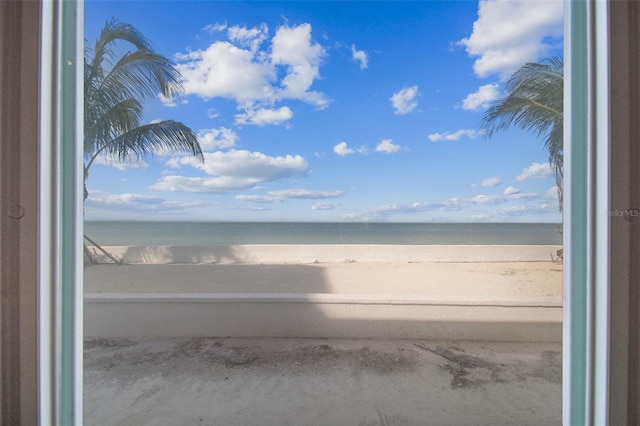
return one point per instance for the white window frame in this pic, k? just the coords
(596, 336)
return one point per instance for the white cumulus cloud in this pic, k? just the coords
(231, 170)
(503, 198)
(258, 199)
(227, 71)
(482, 199)
(214, 28)
(453, 136)
(214, 139)
(323, 205)
(552, 195)
(481, 99)
(248, 37)
(509, 213)
(264, 116)
(360, 56)
(304, 194)
(286, 194)
(136, 203)
(387, 146)
(510, 190)
(489, 182)
(246, 164)
(170, 102)
(404, 101)
(219, 184)
(509, 33)
(292, 48)
(254, 73)
(343, 149)
(533, 203)
(535, 170)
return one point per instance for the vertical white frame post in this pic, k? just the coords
(47, 321)
(586, 237)
(600, 206)
(61, 313)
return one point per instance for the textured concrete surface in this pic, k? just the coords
(245, 381)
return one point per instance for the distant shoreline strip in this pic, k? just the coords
(325, 253)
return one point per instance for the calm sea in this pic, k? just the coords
(229, 233)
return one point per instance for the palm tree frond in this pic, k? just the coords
(103, 125)
(114, 89)
(158, 137)
(534, 103)
(115, 30)
(112, 32)
(143, 74)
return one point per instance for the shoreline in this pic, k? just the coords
(325, 253)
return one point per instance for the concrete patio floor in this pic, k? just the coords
(293, 381)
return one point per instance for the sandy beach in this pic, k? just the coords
(487, 279)
(324, 335)
(501, 293)
(447, 271)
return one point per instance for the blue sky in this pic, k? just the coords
(336, 111)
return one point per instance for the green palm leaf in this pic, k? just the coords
(534, 103)
(115, 87)
(108, 122)
(158, 137)
(140, 75)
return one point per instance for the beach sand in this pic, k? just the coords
(486, 279)
(327, 381)
(481, 271)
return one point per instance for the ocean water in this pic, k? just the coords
(231, 233)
